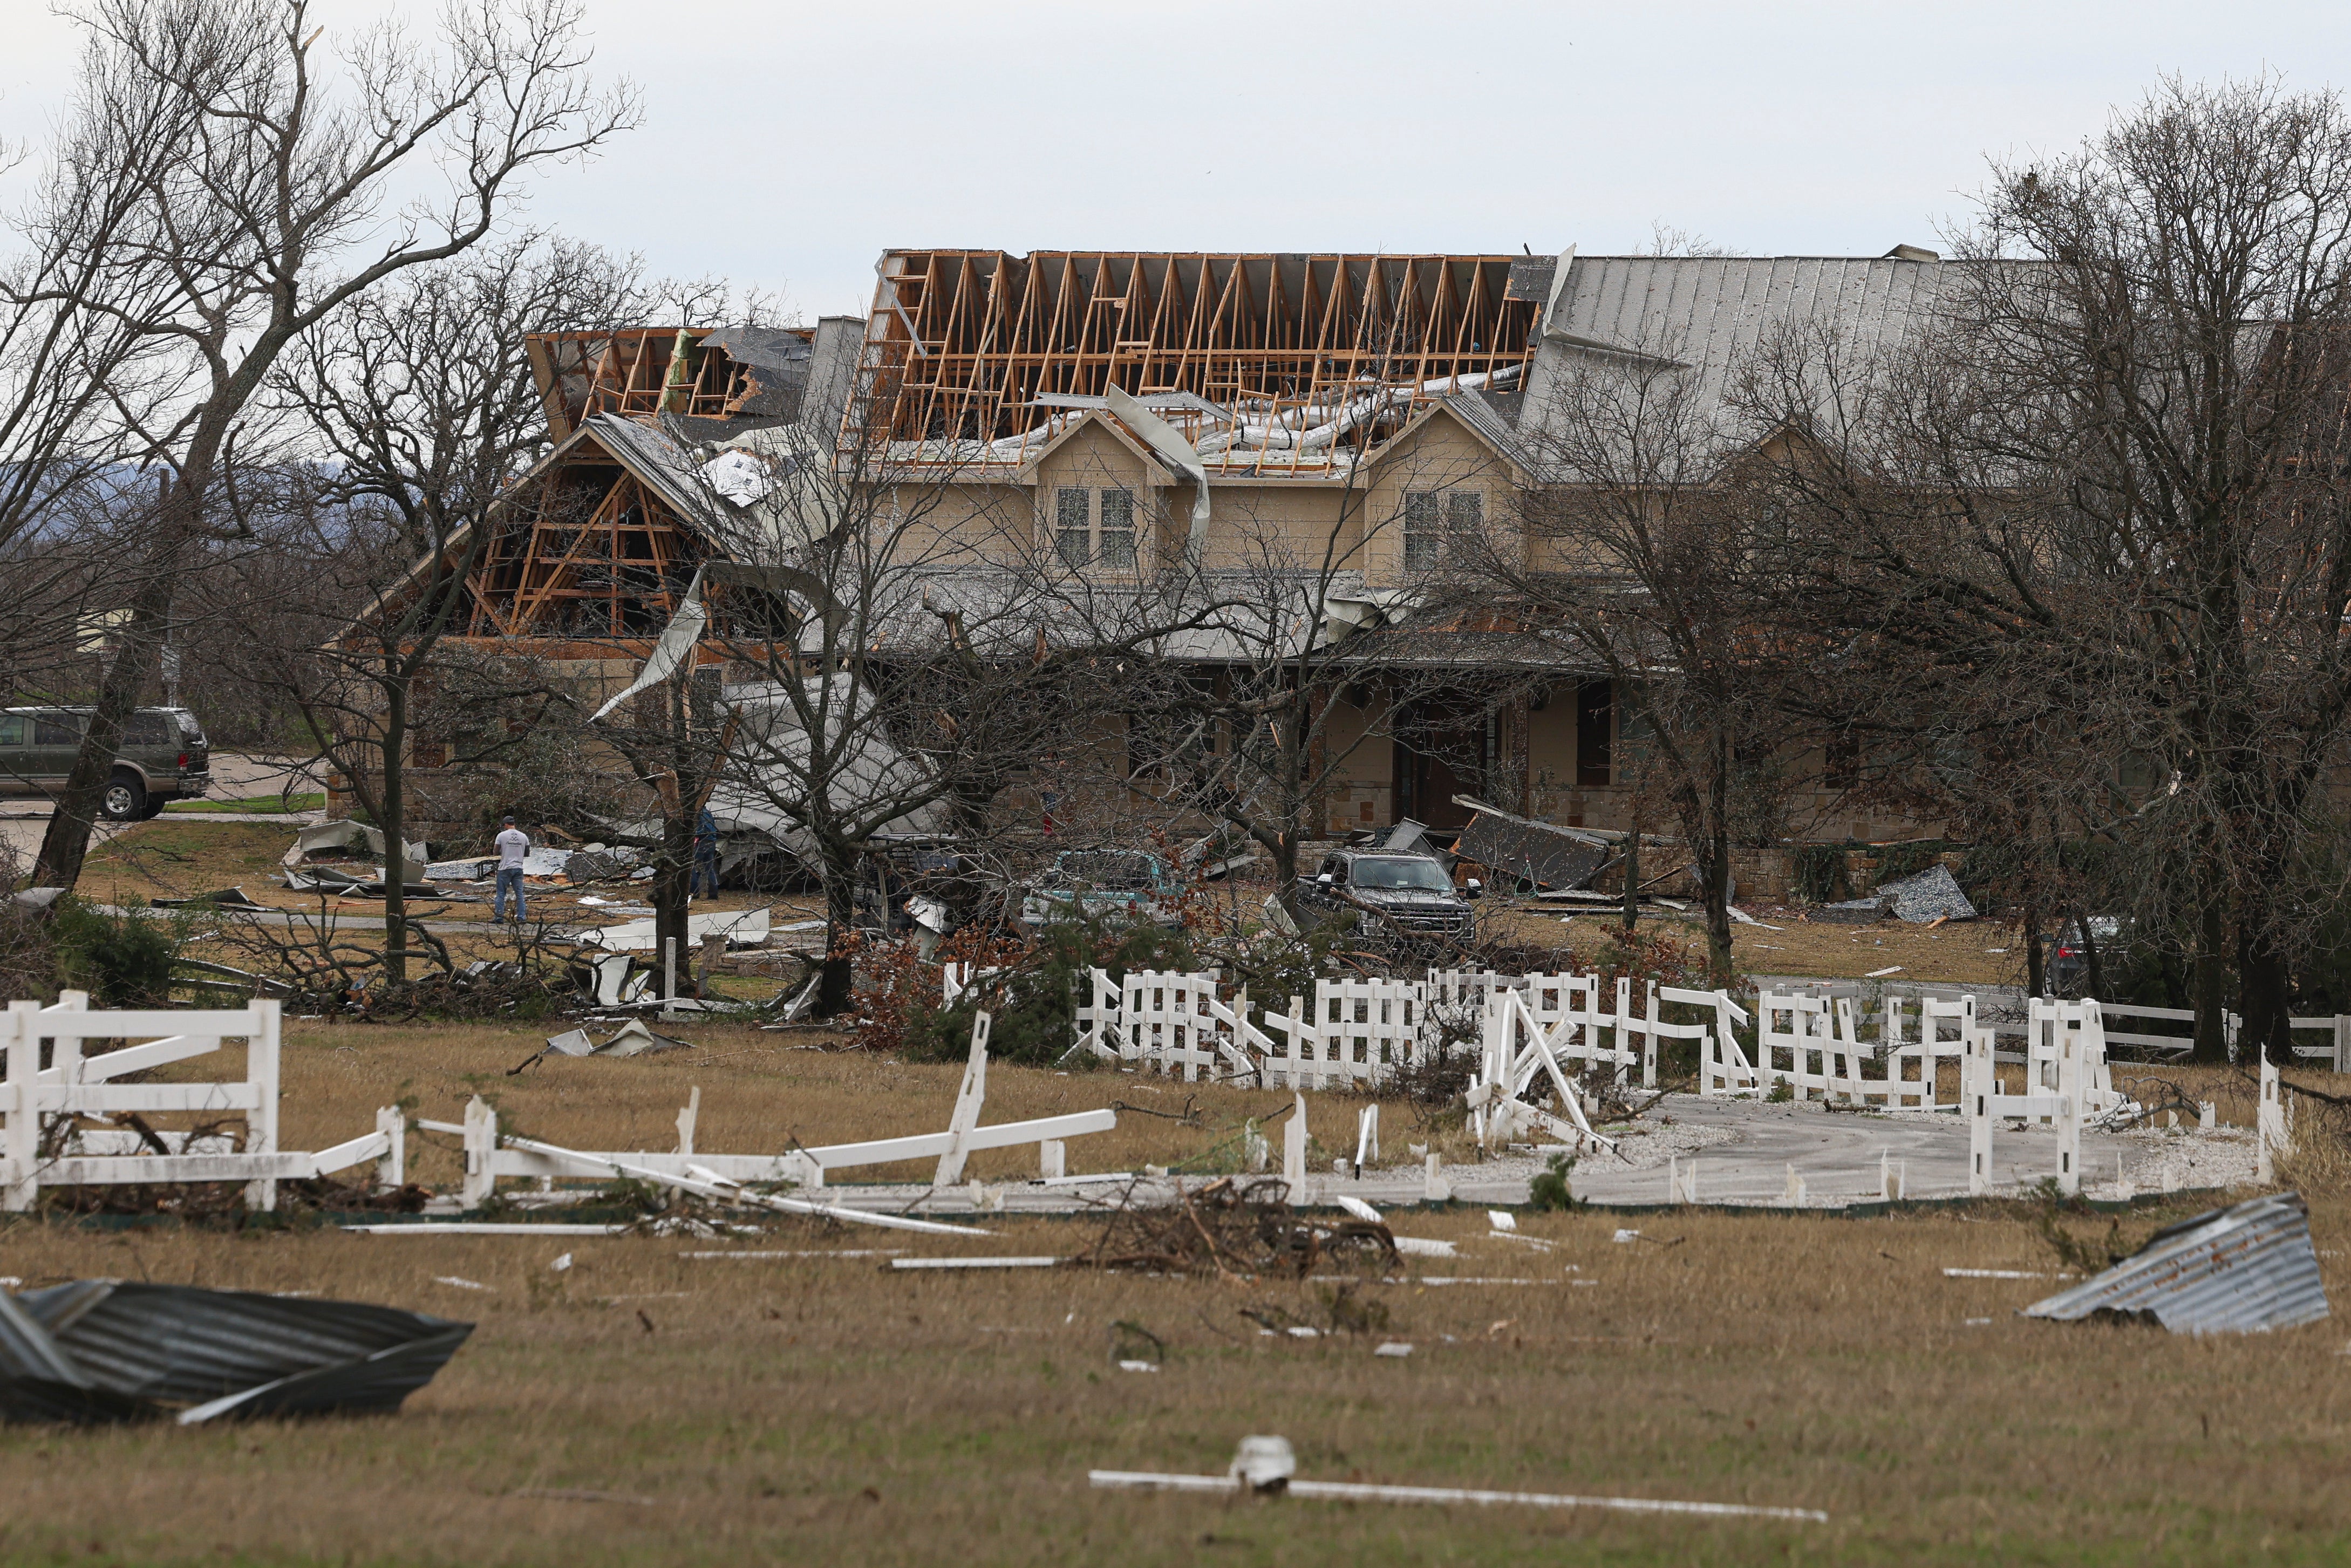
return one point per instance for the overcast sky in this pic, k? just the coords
(788, 144)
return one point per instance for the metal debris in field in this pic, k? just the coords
(2247, 1268)
(98, 1351)
(633, 1038)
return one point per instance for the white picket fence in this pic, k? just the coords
(1360, 1032)
(41, 1144)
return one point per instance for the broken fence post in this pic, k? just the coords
(2269, 1124)
(2072, 1079)
(1681, 1179)
(1793, 1194)
(685, 1120)
(968, 1100)
(1053, 1159)
(1367, 1137)
(391, 1169)
(1294, 1152)
(481, 1148)
(1435, 1188)
(261, 1122)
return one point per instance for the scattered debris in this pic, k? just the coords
(462, 1284)
(949, 1262)
(741, 927)
(1996, 1274)
(562, 1264)
(1268, 1467)
(1393, 1348)
(1231, 1226)
(1881, 974)
(632, 1038)
(96, 1351)
(1928, 898)
(227, 898)
(2247, 1268)
(1537, 853)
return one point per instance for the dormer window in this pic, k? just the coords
(1093, 528)
(1435, 520)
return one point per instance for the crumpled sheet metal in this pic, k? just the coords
(99, 1351)
(2248, 1269)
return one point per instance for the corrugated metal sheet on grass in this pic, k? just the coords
(2243, 1269)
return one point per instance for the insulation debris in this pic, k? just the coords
(2248, 1269)
(98, 1351)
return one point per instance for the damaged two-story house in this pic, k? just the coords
(1327, 421)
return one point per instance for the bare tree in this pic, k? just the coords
(242, 189)
(2107, 498)
(1635, 555)
(419, 400)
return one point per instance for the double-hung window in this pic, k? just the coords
(1435, 520)
(1093, 528)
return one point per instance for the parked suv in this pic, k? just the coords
(1412, 892)
(164, 758)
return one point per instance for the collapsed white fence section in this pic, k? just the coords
(1514, 1046)
(489, 1155)
(38, 1105)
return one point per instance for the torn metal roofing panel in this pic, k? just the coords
(2247, 1268)
(104, 1350)
(656, 461)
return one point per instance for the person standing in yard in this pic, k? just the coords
(706, 855)
(513, 844)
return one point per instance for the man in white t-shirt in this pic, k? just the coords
(513, 844)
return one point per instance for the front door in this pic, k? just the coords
(1440, 752)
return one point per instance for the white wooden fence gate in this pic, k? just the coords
(40, 1147)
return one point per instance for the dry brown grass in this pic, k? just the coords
(1959, 953)
(823, 1410)
(759, 1091)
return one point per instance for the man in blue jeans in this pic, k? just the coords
(513, 844)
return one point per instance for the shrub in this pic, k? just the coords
(121, 960)
(1033, 1005)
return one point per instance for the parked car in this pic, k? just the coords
(163, 757)
(2068, 963)
(1100, 882)
(1412, 892)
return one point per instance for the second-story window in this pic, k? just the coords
(1093, 528)
(1072, 515)
(1435, 520)
(1117, 527)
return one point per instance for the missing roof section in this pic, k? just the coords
(1290, 364)
(727, 374)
